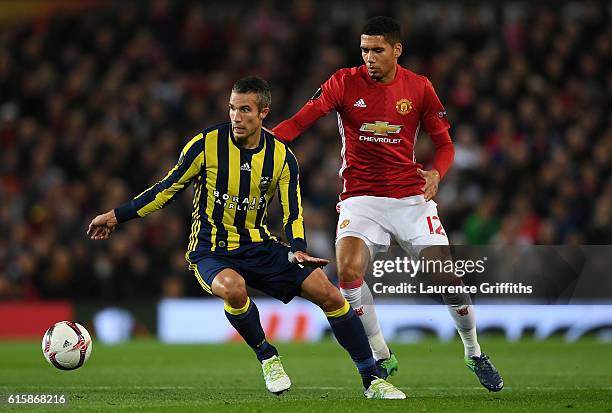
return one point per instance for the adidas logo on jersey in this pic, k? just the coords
(360, 104)
(245, 167)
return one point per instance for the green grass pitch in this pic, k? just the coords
(147, 376)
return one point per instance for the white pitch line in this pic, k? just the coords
(478, 388)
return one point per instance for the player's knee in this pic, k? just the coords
(352, 257)
(231, 289)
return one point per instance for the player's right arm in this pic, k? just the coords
(157, 196)
(291, 204)
(325, 99)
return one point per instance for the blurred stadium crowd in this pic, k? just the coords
(94, 108)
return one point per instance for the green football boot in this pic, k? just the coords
(486, 372)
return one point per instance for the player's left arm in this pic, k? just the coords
(293, 222)
(435, 123)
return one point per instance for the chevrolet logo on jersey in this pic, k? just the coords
(380, 128)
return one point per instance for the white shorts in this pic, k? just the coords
(411, 222)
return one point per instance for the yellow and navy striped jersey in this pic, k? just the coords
(233, 187)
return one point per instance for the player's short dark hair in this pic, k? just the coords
(384, 26)
(255, 84)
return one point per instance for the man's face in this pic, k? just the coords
(245, 115)
(379, 56)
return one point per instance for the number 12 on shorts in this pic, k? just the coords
(435, 226)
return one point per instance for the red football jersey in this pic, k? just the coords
(378, 124)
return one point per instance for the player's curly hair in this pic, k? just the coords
(384, 26)
(255, 84)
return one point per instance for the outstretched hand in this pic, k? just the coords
(432, 179)
(300, 257)
(102, 226)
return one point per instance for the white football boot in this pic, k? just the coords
(277, 380)
(382, 389)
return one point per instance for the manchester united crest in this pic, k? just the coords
(403, 106)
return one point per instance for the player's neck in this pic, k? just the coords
(251, 141)
(390, 77)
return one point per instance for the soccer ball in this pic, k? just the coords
(66, 345)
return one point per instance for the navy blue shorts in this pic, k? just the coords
(264, 267)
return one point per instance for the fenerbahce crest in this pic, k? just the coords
(265, 183)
